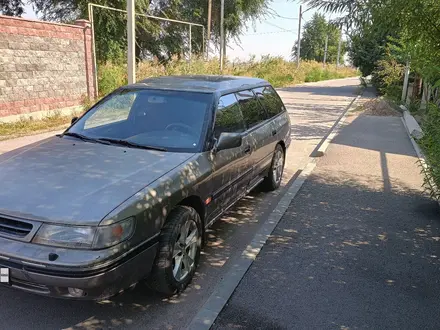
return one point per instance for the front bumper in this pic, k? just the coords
(99, 284)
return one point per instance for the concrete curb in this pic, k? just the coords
(410, 127)
(335, 129)
(208, 313)
(411, 124)
(413, 142)
(410, 131)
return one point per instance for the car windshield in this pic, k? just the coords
(169, 120)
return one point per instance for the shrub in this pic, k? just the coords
(110, 77)
(388, 78)
(430, 146)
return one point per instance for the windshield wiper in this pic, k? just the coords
(131, 144)
(83, 137)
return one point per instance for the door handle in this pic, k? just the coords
(274, 132)
(247, 150)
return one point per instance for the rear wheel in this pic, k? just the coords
(179, 251)
(273, 179)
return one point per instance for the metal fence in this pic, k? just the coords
(191, 26)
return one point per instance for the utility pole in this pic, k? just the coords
(224, 47)
(405, 82)
(208, 28)
(190, 43)
(298, 50)
(131, 42)
(339, 50)
(325, 50)
(222, 33)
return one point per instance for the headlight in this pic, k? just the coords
(84, 237)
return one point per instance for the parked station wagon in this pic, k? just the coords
(127, 191)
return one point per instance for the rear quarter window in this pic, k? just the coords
(228, 117)
(253, 112)
(270, 100)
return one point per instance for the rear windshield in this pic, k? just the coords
(173, 120)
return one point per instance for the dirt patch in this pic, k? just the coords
(378, 107)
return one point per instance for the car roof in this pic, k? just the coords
(199, 83)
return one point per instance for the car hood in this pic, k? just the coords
(64, 180)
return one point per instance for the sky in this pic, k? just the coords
(267, 36)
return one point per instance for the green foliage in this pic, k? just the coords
(356, 12)
(111, 77)
(388, 78)
(317, 74)
(11, 7)
(313, 40)
(154, 38)
(27, 126)
(366, 47)
(411, 29)
(430, 146)
(276, 70)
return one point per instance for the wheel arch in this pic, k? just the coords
(283, 145)
(197, 204)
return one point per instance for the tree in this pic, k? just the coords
(366, 47)
(153, 37)
(414, 24)
(313, 40)
(11, 7)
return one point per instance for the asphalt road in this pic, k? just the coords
(313, 109)
(358, 248)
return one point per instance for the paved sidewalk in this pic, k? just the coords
(358, 247)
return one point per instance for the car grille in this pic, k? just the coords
(15, 228)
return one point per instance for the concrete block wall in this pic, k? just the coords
(44, 67)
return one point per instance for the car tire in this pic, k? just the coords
(273, 179)
(177, 249)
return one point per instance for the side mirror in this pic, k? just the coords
(228, 141)
(73, 121)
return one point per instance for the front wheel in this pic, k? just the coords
(179, 251)
(273, 179)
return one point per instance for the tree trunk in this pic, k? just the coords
(417, 87)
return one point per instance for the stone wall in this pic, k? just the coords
(44, 67)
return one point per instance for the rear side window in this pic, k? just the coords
(270, 100)
(228, 117)
(253, 112)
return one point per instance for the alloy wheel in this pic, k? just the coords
(185, 250)
(278, 166)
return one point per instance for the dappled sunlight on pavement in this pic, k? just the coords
(359, 246)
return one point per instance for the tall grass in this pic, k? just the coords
(27, 126)
(276, 70)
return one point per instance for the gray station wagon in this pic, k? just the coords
(127, 191)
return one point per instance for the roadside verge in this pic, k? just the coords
(414, 132)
